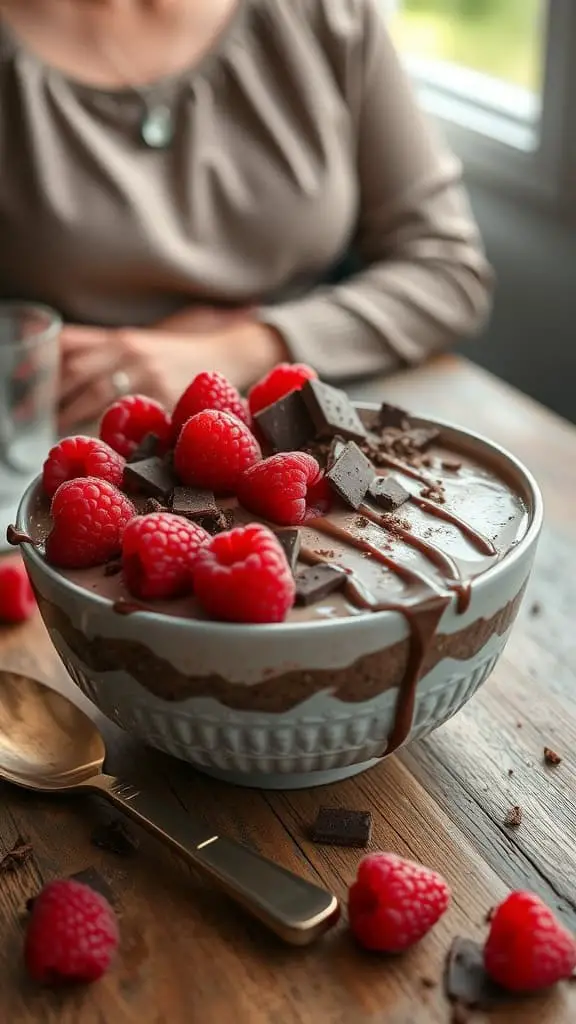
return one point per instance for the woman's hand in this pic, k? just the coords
(158, 362)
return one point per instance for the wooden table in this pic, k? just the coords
(189, 956)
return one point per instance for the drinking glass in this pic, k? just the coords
(29, 355)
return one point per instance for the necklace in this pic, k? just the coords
(157, 124)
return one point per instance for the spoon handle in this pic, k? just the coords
(295, 909)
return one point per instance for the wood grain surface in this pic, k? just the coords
(189, 956)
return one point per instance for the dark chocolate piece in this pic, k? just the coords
(152, 477)
(351, 475)
(420, 438)
(317, 582)
(332, 411)
(193, 503)
(113, 568)
(286, 424)
(114, 836)
(393, 416)
(339, 826)
(93, 878)
(388, 493)
(551, 757)
(147, 447)
(152, 505)
(336, 448)
(465, 980)
(291, 541)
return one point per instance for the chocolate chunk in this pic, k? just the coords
(114, 836)
(465, 980)
(392, 416)
(339, 826)
(152, 505)
(93, 878)
(147, 447)
(551, 757)
(152, 477)
(421, 438)
(388, 493)
(291, 541)
(317, 582)
(286, 424)
(332, 411)
(194, 503)
(351, 475)
(20, 853)
(113, 568)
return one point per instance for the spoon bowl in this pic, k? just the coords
(50, 745)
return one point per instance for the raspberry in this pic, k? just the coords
(208, 391)
(287, 488)
(213, 449)
(243, 576)
(81, 456)
(89, 519)
(157, 555)
(127, 421)
(284, 378)
(17, 601)
(528, 948)
(72, 934)
(394, 902)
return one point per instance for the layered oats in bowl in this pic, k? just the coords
(406, 577)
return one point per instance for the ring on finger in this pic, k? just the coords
(121, 383)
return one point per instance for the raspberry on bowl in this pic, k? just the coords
(17, 601)
(208, 391)
(284, 378)
(72, 934)
(213, 449)
(79, 457)
(128, 420)
(89, 518)
(158, 552)
(394, 902)
(287, 489)
(528, 948)
(243, 576)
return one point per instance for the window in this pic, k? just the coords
(499, 74)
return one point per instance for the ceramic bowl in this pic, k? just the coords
(241, 728)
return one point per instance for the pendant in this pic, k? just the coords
(157, 128)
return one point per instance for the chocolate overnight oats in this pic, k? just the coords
(396, 515)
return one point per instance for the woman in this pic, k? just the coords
(179, 177)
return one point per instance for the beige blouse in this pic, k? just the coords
(297, 140)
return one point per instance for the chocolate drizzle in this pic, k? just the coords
(442, 562)
(480, 542)
(16, 537)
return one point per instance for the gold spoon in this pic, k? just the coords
(47, 744)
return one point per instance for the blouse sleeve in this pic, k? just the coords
(425, 282)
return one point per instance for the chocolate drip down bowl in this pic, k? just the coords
(404, 605)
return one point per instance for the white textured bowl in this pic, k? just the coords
(318, 739)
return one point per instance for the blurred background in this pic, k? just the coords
(500, 76)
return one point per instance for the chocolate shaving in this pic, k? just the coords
(332, 411)
(535, 609)
(115, 836)
(513, 817)
(551, 757)
(291, 541)
(351, 475)
(339, 826)
(286, 424)
(152, 477)
(317, 582)
(15, 858)
(388, 493)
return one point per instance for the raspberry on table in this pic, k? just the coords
(394, 902)
(243, 576)
(72, 934)
(213, 449)
(17, 601)
(158, 551)
(284, 378)
(89, 518)
(208, 391)
(80, 456)
(528, 948)
(128, 420)
(287, 489)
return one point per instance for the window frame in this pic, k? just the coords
(512, 138)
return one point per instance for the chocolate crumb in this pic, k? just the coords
(427, 461)
(551, 757)
(113, 568)
(326, 553)
(513, 817)
(16, 857)
(361, 522)
(433, 494)
(428, 982)
(489, 915)
(153, 505)
(510, 771)
(535, 609)
(114, 836)
(518, 725)
(452, 465)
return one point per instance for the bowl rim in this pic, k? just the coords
(231, 629)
